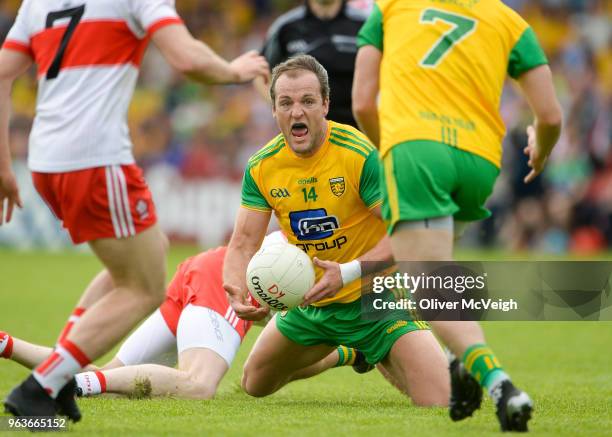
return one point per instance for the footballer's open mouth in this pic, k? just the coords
(299, 129)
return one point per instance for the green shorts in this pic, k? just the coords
(342, 324)
(426, 179)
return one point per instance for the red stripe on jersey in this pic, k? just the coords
(162, 23)
(76, 353)
(92, 43)
(18, 46)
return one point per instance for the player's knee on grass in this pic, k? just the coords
(246, 383)
(251, 384)
(435, 398)
(420, 368)
(432, 393)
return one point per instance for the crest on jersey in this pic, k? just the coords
(337, 186)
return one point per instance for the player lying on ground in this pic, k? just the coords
(196, 323)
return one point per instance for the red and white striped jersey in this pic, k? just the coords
(88, 53)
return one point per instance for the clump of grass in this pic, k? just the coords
(142, 389)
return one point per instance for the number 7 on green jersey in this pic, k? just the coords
(462, 27)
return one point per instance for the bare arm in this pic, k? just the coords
(365, 91)
(199, 62)
(262, 86)
(12, 65)
(273, 52)
(249, 232)
(539, 91)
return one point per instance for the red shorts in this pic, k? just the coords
(199, 281)
(101, 202)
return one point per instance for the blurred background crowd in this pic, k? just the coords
(204, 135)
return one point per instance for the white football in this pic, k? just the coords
(279, 275)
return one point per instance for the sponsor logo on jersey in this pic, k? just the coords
(325, 245)
(337, 186)
(279, 192)
(313, 224)
(307, 181)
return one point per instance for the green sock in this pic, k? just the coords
(346, 356)
(483, 365)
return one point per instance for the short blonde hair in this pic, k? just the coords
(305, 63)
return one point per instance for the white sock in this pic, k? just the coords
(495, 386)
(449, 355)
(89, 383)
(53, 373)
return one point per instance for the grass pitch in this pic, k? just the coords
(565, 367)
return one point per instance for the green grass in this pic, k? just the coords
(565, 367)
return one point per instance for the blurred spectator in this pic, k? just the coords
(568, 208)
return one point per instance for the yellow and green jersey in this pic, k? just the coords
(443, 68)
(323, 203)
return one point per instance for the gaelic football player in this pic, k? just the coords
(195, 326)
(439, 67)
(320, 178)
(87, 55)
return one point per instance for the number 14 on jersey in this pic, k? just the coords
(310, 194)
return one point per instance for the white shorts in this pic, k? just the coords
(151, 343)
(198, 327)
(201, 327)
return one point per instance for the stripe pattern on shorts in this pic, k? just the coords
(119, 202)
(231, 317)
(391, 187)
